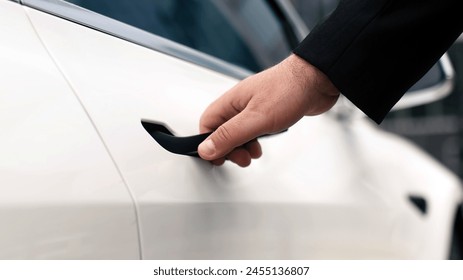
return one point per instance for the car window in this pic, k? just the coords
(314, 11)
(243, 32)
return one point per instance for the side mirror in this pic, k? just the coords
(435, 85)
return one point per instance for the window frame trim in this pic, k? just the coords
(112, 27)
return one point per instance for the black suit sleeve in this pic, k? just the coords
(373, 51)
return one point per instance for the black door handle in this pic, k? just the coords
(187, 146)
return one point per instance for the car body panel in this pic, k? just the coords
(61, 194)
(324, 189)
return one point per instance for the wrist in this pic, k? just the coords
(312, 82)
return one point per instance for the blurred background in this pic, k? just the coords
(436, 127)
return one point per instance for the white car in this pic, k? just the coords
(82, 179)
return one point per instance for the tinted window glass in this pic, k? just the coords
(314, 11)
(243, 32)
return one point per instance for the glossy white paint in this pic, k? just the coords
(324, 189)
(61, 195)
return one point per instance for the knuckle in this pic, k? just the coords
(223, 134)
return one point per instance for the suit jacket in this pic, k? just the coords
(373, 51)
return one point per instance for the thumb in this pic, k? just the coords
(237, 131)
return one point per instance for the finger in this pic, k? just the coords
(221, 110)
(240, 156)
(235, 132)
(254, 149)
(218, 162)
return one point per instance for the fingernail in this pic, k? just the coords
(207, 148)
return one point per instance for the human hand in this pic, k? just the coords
(265, 103)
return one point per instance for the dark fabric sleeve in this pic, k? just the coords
(373, 51)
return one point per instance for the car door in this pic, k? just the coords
(308, 197)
